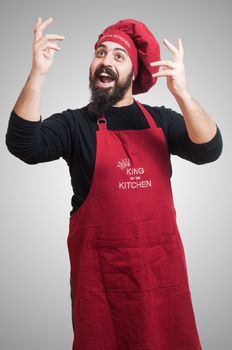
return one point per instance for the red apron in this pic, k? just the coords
(129, 282)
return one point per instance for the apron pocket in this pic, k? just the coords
(131, 265)
(167, 265)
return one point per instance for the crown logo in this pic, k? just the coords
(123, 163)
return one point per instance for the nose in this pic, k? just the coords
(107, 60)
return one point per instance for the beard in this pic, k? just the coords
(102, 98)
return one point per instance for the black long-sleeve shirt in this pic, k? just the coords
(71, 134)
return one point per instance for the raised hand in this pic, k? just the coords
(43, 49)
(174, 70)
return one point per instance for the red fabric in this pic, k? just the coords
(148, 50)
(129, 281)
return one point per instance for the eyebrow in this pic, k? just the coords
(115, 49)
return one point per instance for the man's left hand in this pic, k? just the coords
(173, 70)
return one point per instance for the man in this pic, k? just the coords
(129, 282)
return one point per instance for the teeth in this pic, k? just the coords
(105, 75)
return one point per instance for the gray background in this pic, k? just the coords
(35, 310)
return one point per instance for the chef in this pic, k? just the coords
(128, 277)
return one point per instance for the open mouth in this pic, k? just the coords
(105, 79)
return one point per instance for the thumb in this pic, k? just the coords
(49, 53)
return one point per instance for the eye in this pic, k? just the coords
(119, 57)
(99, 53)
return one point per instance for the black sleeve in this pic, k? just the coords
(181, 145)
(41, 141)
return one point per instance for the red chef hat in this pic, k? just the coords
(141, 46)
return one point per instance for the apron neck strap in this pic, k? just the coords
(147, 115)
(102, 122)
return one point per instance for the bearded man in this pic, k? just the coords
(128, 279)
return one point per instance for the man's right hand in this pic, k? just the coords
(43, 50)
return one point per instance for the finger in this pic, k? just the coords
(176, 55)
(163, 63)
(163, 73)
(180, 48)
(170, 46)
(53, 37)
(44, 42)
(38, 31)
(44, 24)
(38, 22)
(52, 46)
(49, 54)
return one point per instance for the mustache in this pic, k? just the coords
(107, 70)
